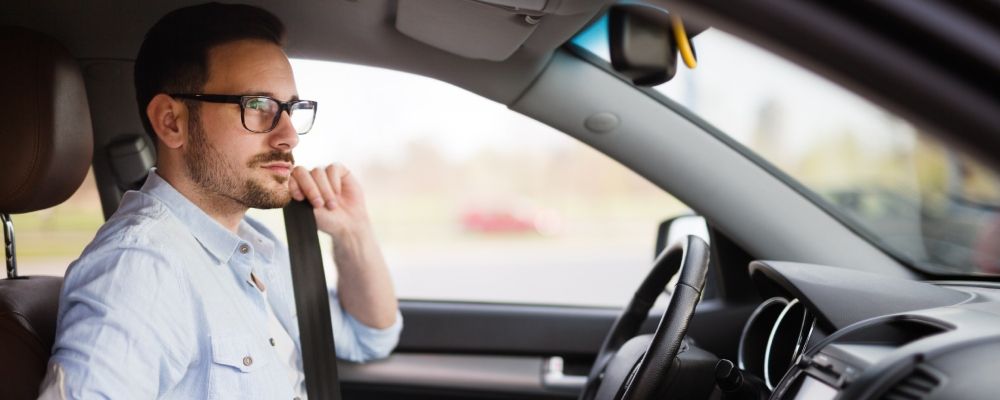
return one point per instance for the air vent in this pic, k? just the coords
(916, 386)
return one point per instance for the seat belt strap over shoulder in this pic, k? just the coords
(312, 302)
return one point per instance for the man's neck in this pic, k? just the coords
(225, 211)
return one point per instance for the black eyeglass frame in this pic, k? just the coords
(283, 106)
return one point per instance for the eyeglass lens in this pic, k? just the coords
(303, 114)
(260, 114)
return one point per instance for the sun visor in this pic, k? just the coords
(485, 29)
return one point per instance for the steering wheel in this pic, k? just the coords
(637, 367)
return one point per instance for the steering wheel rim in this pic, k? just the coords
(691, 257)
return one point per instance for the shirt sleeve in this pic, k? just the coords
(121, 318)
(357, 342)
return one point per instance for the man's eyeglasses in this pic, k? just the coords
(260, 114)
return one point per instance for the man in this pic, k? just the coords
(181, 295)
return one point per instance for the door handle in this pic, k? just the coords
(554, 379)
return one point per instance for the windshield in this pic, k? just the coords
(918, 199)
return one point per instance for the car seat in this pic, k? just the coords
(47, 138)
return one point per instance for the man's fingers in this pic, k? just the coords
(323, 184)
(308, 187)
(334, 172)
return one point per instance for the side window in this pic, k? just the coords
(474, 202)
(47, 241)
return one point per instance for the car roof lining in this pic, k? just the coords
(357, 32)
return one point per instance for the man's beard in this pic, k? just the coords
(207, 167)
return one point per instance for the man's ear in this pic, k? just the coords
(168, 118)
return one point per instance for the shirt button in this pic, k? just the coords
(248, 361)
(272, 341)
(244, 249)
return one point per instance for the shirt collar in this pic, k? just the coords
(218, 240)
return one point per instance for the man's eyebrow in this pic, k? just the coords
(270, 94)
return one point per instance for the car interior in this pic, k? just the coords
(49, 149)
(786, 299)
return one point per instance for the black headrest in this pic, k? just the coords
(46, 137)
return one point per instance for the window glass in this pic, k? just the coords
(474, 202)
(921, 200)
(47, 241)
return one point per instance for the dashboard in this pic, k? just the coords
(828, 333)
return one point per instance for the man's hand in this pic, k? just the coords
(364, 285)
(336, 197)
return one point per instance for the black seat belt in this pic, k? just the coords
(312, 301)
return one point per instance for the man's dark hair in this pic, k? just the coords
(173, 57)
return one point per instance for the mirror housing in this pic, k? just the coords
(642, 44)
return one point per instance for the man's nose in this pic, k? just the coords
(284, 136)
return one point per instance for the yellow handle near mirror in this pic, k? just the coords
(683, 43)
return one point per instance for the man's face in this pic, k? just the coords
(221, 156)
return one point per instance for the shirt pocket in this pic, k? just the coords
(239, 367)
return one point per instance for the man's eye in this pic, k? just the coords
(258, 104)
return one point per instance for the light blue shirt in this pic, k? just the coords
(160, 305)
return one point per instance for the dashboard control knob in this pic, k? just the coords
(736, 385)
(727, 376)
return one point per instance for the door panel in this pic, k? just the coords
(418, 375)
(497, 351)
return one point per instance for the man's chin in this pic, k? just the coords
(267, 196)
(278, 199)
(276, 203)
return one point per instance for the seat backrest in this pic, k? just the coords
(28, 308)
(46, 150)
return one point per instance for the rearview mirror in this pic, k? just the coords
(642, 43)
